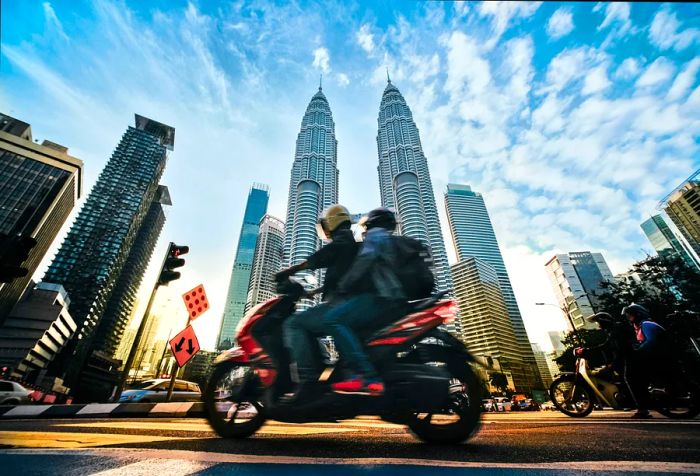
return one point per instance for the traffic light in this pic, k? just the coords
(14, 250)
(171, 262)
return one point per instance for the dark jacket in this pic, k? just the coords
(336, 257)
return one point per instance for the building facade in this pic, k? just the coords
(665, 241)
(484, 322)
(683, 208)
(404, 179)
(91, 259)
(38, 327)
(577, 279)
(313, 185)
(39, 186)
(473, 236)
(269, 253)
(255, 209)
(543, 366)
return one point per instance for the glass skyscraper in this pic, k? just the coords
(39, 186)
(473, 236)
(255, 209)
(683, 208)
(665, 242)
(404, 179)
(92, 258)
(269, 252)
(313, 185)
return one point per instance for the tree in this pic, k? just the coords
(582, 338)
(500, 381)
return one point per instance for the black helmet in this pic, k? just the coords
(638, 313)
(603, 319)
(380, 218)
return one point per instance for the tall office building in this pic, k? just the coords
(484, 322)
(313, 185)
(543, 365)
(121, 304)
(577, 279)
(39, 186)
(683, 208)
(473, 236)
(404, 179)
(93, 256)
(255, 209)
(666, 243)
(269, 253)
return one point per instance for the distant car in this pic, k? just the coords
(12, 393)
(488, 405)
(528, 405)
(156, 390)
(547, 406)
(502, 404)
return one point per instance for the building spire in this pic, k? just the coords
(320, 83)
(388, 79)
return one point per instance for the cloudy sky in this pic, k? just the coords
(572, 119)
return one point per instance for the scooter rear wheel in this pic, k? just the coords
(572, 398)
(460, 420)
(684, 403)
(231, 410)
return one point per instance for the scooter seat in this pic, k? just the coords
(426, 303)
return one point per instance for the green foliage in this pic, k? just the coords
(582, 338)
(500, 381)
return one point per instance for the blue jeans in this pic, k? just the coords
(361, 313)
(300, 334)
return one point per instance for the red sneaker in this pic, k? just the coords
(358, 386)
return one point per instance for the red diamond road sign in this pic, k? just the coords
(196, 302)
(184, 346)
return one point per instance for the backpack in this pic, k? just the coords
(414, 267)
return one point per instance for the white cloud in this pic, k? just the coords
(664, 31)
(365, 38)
(684, 81)
(617, 18)
(52, 21)
(658, 72)
(561, 23)
(342, 79)
(627, 69)
(461, 8)
(596, 81)
(322, 59)
(503, 13)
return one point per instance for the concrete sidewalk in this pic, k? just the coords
(98, 410)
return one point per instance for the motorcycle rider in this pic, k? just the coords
(646, 357)
(618, 342)
(302, 329)
(377, 299)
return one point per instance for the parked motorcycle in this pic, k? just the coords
(429, 383)
(576, 393)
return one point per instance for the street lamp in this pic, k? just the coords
(566, 309)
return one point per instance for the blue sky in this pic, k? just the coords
(573, 119)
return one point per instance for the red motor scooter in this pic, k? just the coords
(430, 385)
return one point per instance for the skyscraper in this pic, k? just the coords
(313, 185)
(665, 242)
(39, 186)
(91, 259)
(255, 209)
(577, 279)
(404, 179)
(683, 207)
(484, 323)
(473, 236)
(269, 252)
(543, 365)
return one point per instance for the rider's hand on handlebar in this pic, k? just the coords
(281, 275)
(578, 351)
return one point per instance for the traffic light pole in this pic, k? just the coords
(139, 333)
(173, 375)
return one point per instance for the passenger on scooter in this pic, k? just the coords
(377, 298)
(618, 343)
(302, 329)
(647, 358)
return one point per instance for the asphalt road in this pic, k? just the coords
(517, 443)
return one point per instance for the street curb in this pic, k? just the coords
(102, 410)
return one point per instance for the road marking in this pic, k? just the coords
(27, 410)
(96, 408)
(168, 407)
(46, 439)
(152, 466)
(272, 428)
(214, 458)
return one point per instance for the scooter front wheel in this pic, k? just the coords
(571, 397)
(231, 408)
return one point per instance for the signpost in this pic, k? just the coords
(185, 344)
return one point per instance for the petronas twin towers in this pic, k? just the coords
(404, 179)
